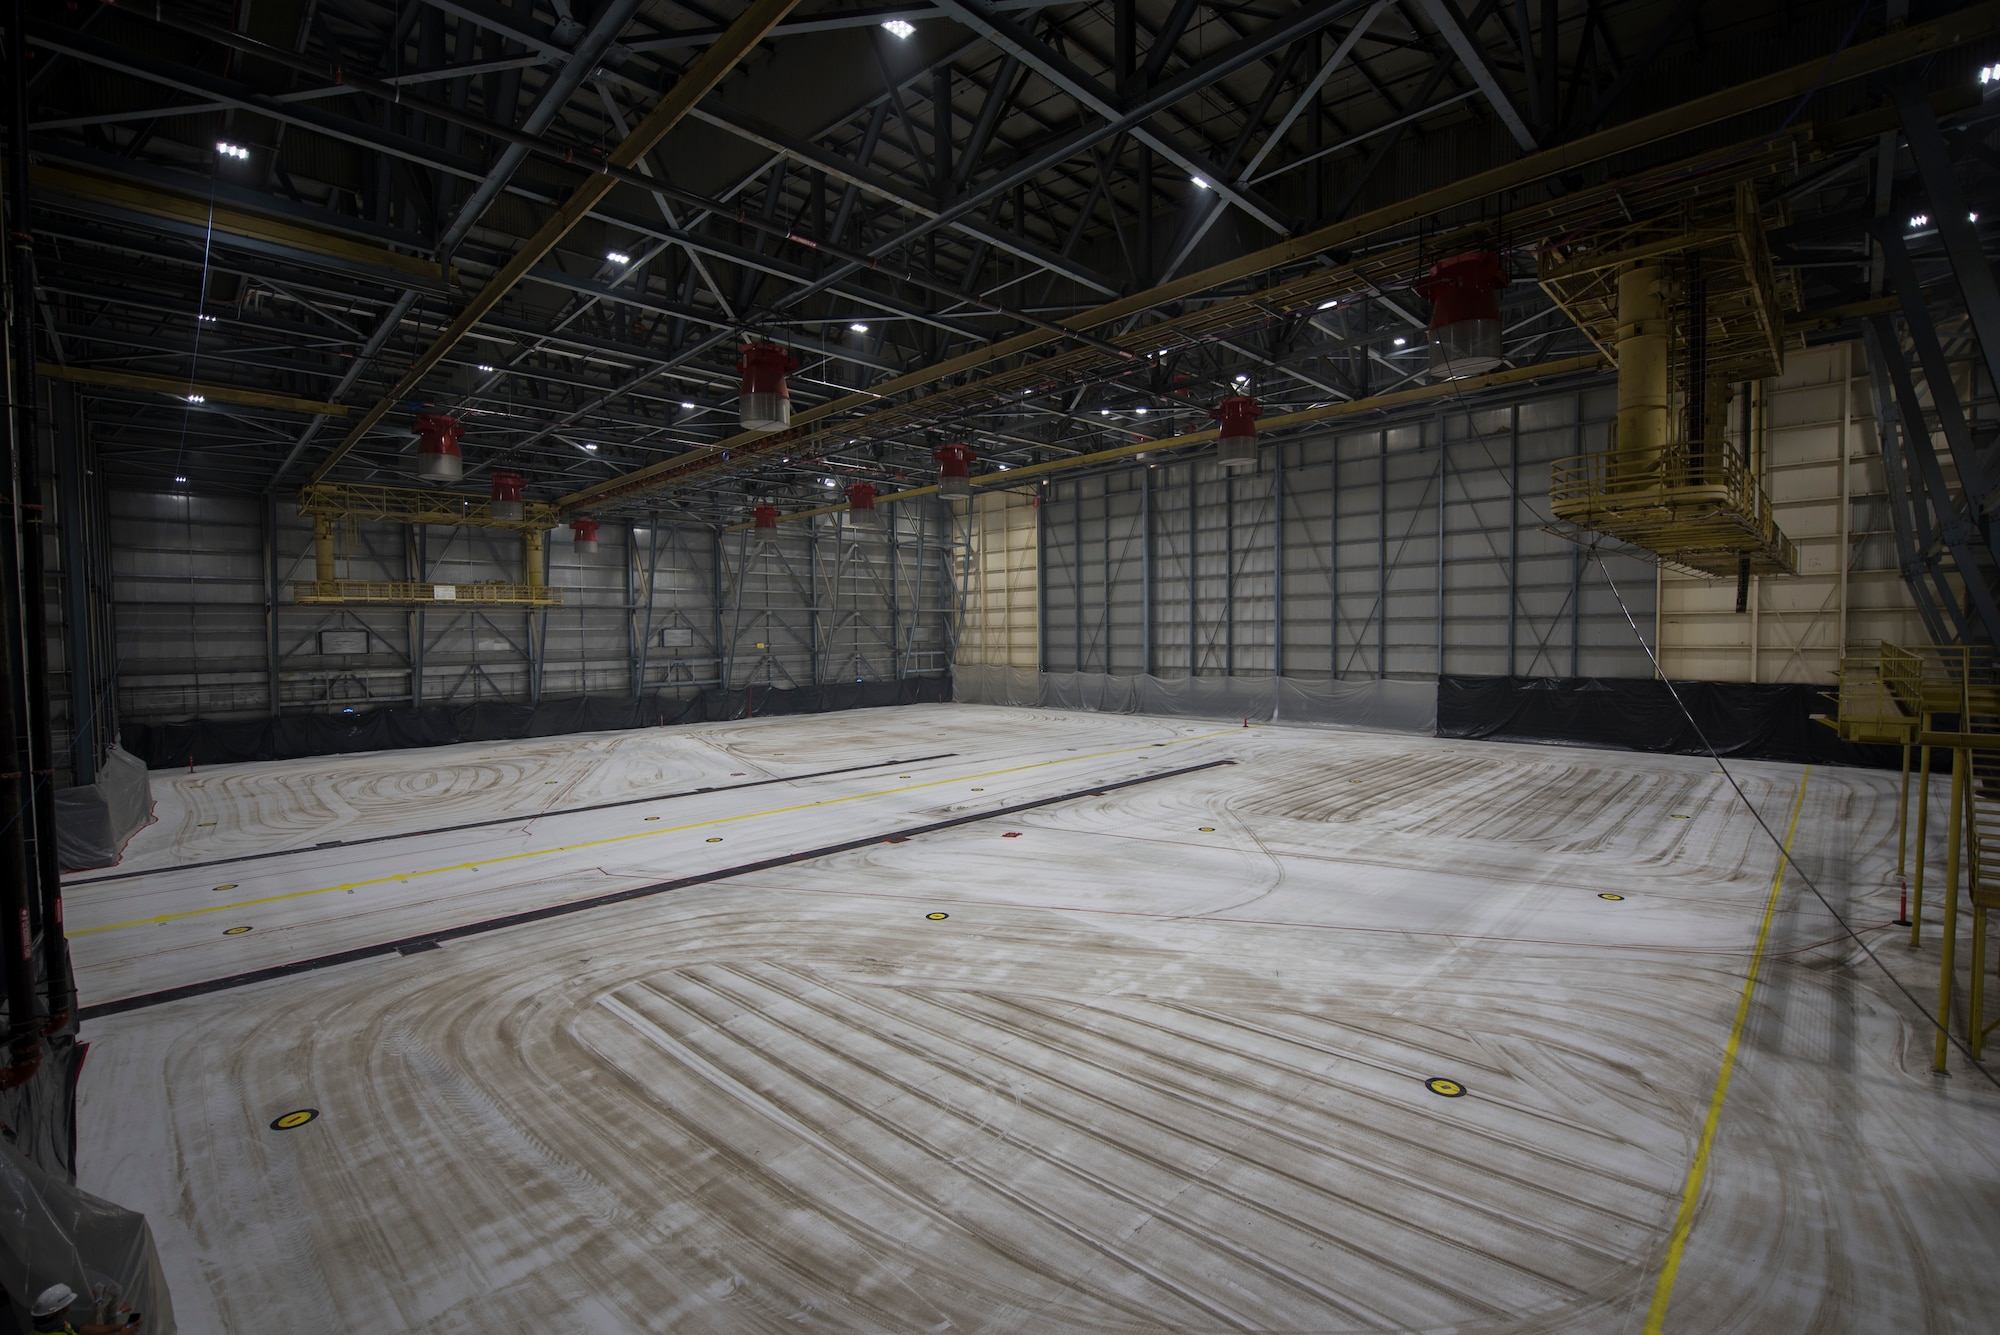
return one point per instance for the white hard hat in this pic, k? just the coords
(55, 1298)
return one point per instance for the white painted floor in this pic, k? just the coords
(1161, 1068)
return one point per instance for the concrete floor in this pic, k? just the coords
(1161, 1068)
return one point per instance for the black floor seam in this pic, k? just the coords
(430, 940)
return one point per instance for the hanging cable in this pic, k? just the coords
(1785, 857)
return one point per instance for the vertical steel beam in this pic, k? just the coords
(1041, 580)
(77, 581)
(416, 553)
(1382, 553)
(1951, 218)
(1278, 563)
(1076, 573)
(1333, 559)
(1194, 661)
(1443, 481)
(1514, 507)
(1146, 570)
(1229, 574)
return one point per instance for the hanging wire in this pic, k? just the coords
(1784, 857)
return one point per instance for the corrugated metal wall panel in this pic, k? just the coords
(1403, 550)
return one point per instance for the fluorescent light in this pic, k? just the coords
(1329, 305)
(229, 150)
(591, 448)
(1989, 74)
(1242, 379)
(827, 482)
(859, 328)
(1400, 341)
(179, 478)
(205, 319)
(687, 405)
(1140, 411)
(487, 369)
(196, 398)
(1199, 183)
(1104, 412)
(900, 28)
(1921, 220)
(1003, 467)
(617, 257)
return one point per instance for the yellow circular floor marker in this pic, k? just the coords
(205, 825)
(1449, 1089)
(292, 1121)
(652, 818)
(937, 917)
(715, 838)
(234, 931)
(550, 781)
(226, 885)
(979, 790)
(1206, 829)
(1680, 816)
(1613, 897)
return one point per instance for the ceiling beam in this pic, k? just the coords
(700, 79)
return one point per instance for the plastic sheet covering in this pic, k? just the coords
(1383, 706)
(1751, 720)
(995, 684)
(225, 741)
(94, 820)
(52, 1233)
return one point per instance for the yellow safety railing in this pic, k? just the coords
(1694, 503)
(411, 592)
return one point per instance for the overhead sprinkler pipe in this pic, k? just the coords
(1464, 292)
(1236, 443)
(764, 403)
(1642, 371)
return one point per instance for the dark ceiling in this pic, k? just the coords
(877, 199)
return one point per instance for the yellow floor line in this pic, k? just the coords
(475, 865)
(1663, 1291)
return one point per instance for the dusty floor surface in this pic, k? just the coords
(1151, 1060)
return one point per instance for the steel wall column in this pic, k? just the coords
(1076, 574)
(1146, 570)
(84, 736)
(417, 547)
(1443, 480)
(1194, 660)
(1513, 529)
(1229, 574)
(1278, 563)
(1953, 220)
(1041, 578)
(1382, 554)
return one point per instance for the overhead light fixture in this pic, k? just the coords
(1920, 220)
(485, 368)
(1003, 467)
(859, 328)
(591, 448)
(229, 150)
(1104, 412)
(1140, 411)
(179, 478)
(828, 482)
(205, 319)
(1199, 183)
(1989, 74)
(900, 28)
(687, 405)
(1242, 379)
(196, 398)
(617, 257)
(1400, 341)
(1329, 305)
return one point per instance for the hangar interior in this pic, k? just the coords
(1309, 666)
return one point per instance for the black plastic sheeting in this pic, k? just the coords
(227, 741)
(1746, 720)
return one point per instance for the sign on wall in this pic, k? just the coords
(677, 637)
(343, 641)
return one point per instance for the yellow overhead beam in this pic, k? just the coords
(160, 203)
(175, 387)
(1590, 361)
(410, 505)
(701, 78)
(1885, 52)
